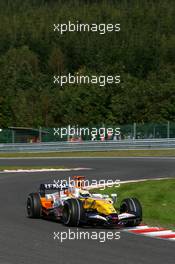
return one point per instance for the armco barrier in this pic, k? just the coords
(89, 146)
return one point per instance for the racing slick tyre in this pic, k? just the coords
(73, 212)
(132, 206)
(34, 205)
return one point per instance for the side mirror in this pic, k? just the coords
(97, 195)
(114, 197)
(105, 196)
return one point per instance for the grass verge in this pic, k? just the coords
(157, 199)
(115, 153)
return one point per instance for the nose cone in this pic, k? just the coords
(104, 207)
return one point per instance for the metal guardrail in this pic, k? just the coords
(89, 145)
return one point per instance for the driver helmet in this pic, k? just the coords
(84, 194)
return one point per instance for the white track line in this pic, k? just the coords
(158, 233)
(136, 228)
(42, 170)
(118, 182)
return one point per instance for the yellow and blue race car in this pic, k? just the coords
(74, 205)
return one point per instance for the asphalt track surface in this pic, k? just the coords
(31, 241)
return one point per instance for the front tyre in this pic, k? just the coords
(34, 205)
(72, 212)
(132, 206)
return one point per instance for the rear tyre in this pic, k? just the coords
(73, 212)
(132, 206)
(34, 205)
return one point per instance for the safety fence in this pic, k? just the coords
(97, 133)
(89, 145)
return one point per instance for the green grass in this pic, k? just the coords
(115, 153)
(157, 199)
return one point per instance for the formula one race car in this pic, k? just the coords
(74, 206)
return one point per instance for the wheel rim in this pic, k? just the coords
(29, 207)
(124, 208)
(66, 215)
